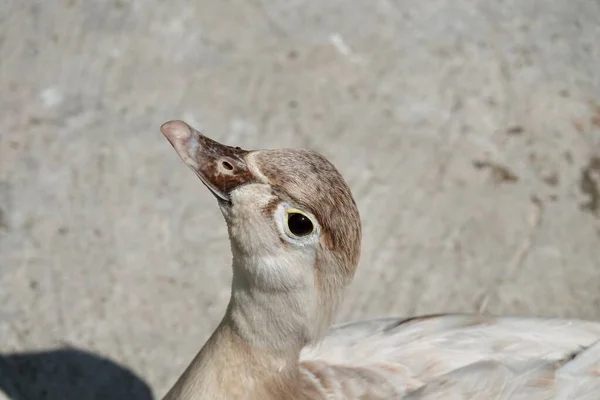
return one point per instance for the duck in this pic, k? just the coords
(295, 237)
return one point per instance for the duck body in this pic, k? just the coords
(457, 357)
(295, 236)
(431, 357)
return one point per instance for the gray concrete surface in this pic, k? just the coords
(469, 132)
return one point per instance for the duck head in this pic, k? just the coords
(294, 229)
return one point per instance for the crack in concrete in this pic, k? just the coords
(590, 186)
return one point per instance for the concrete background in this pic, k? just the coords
(469, 132)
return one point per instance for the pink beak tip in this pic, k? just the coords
(176, 131)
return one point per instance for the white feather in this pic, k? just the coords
(464, 357)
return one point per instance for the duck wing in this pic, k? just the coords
(456, 357)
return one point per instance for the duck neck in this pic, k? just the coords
(268, 320)
(253, 353)
(227, 367)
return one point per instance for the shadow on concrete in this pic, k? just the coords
(66, 374)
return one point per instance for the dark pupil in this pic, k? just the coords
(299, 224)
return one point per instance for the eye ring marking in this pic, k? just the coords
(298, 223)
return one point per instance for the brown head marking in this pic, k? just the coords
(312, 182)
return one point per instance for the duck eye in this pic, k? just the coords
(299, 224)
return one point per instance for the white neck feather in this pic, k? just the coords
(258, 340)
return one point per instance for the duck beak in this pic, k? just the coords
(221, 168)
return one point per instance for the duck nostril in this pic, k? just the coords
(227, 165)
